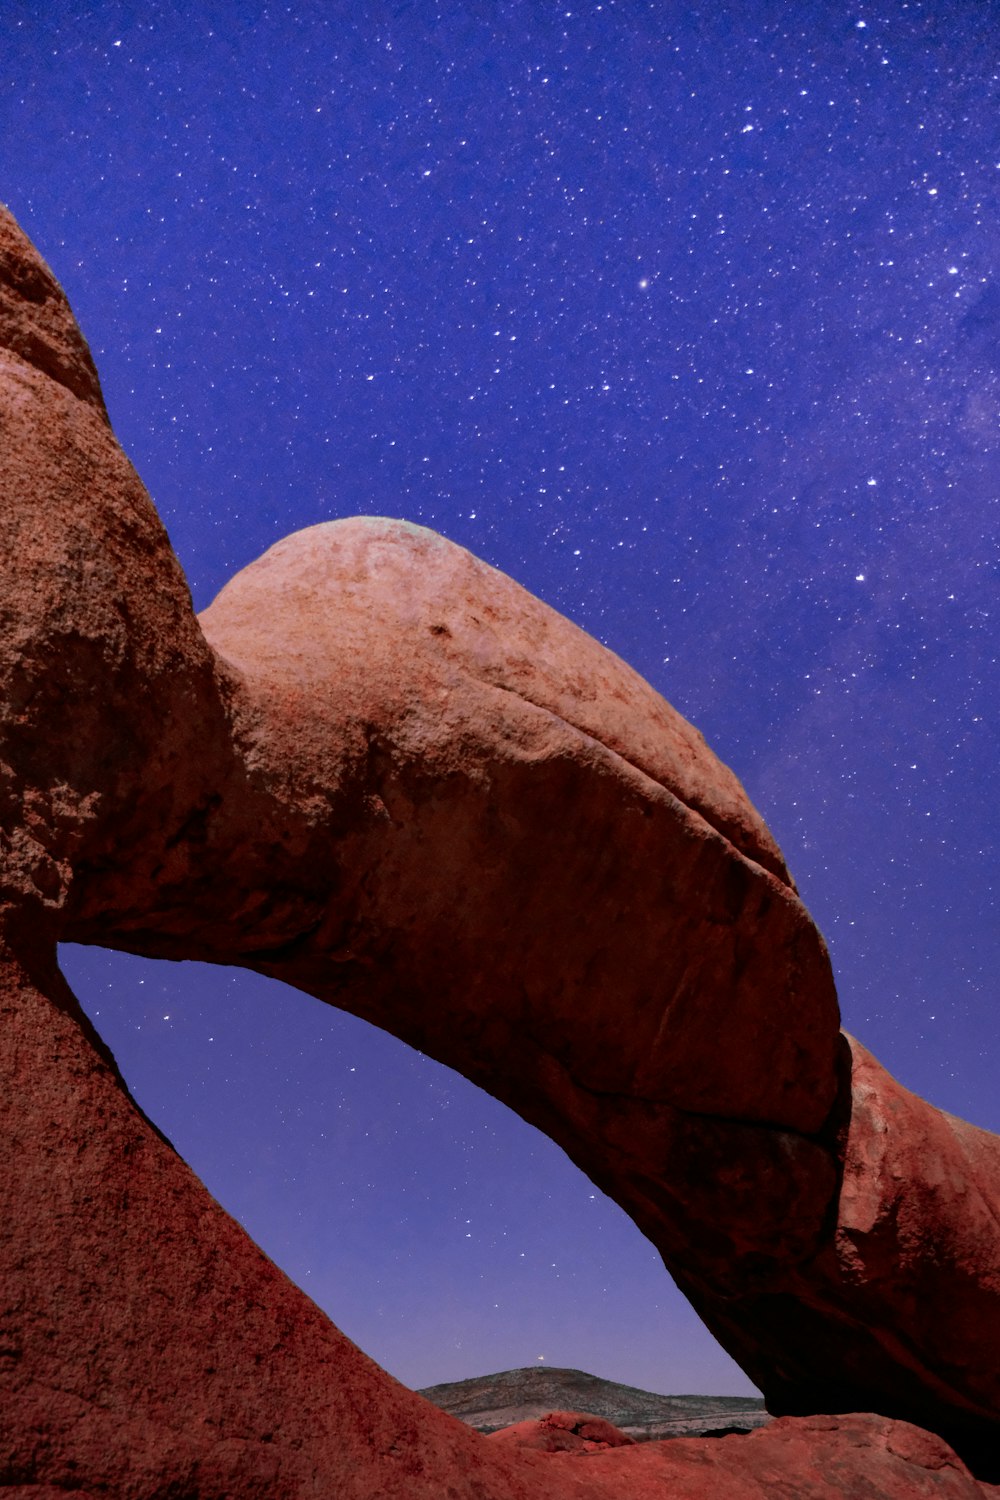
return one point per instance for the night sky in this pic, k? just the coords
(689, 319)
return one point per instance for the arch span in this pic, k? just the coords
(380, 771)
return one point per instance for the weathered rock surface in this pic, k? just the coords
(147, 1347)
(860, 1456)
(491, 1402)
(383, 773)
(99, 650)
(563, 1432)
(905, 1292)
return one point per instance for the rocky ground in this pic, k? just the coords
(492, 1402)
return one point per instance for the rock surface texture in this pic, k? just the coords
(382, 772)
(563, 1432)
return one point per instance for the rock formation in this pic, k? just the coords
(563, 1432)
(808, 1458)
(382, 772)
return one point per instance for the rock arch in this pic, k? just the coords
(382, 772)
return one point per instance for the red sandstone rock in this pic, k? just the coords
(490, 770)
(858, 1457)
(904, 1296)
(147, 1347)
(403, 785)
(563, 1432)
(98, 647)
(36, 323)
(490, 808)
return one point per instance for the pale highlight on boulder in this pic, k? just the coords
(380, 771)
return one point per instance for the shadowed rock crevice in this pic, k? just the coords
(380, 771)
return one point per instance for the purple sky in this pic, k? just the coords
(689, 319)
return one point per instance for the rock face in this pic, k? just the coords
(382, 772)
(815, 1458)
(906, 1289)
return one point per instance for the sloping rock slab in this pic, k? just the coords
(851, 1457)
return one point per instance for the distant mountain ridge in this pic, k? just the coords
(490, 1402)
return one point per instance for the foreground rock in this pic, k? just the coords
(912, 1268)
(563, 1432)
(385, 774)
(804, 1458)
(492, 1402)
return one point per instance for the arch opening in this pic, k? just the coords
(443, 1234)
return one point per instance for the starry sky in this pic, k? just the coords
(688, 317)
